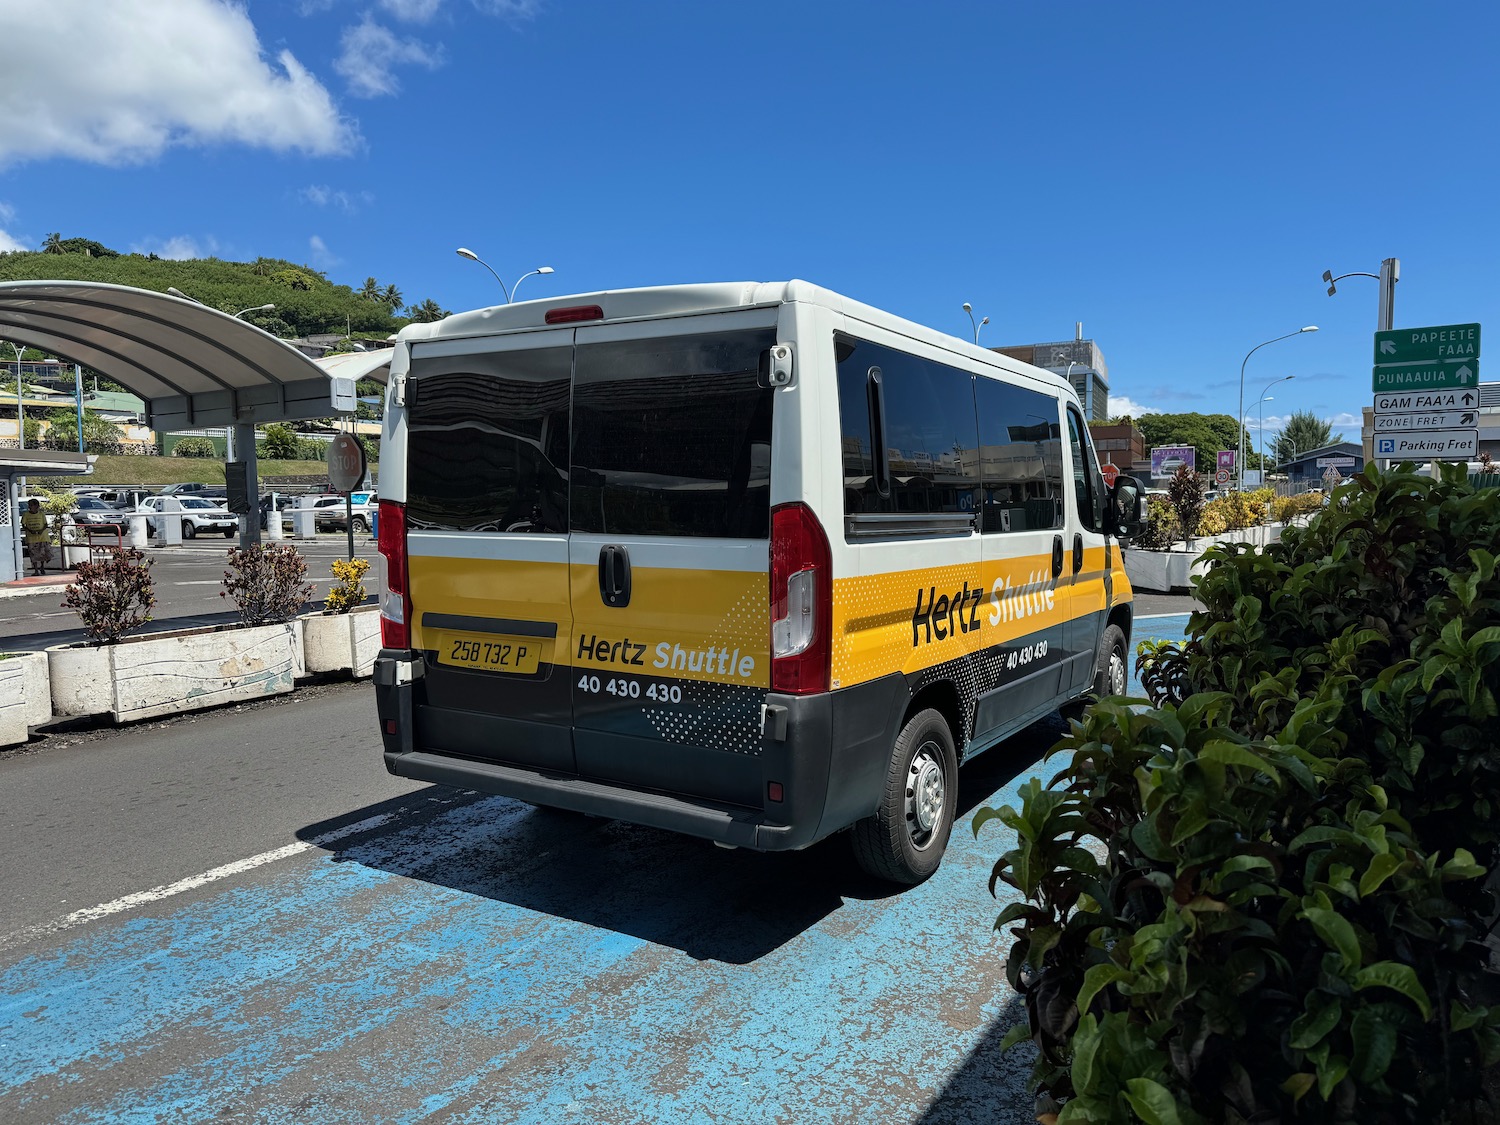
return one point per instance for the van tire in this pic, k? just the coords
(904, 841)
(188, 530)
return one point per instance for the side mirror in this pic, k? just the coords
(1124, 516)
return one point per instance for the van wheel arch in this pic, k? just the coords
(940, 696)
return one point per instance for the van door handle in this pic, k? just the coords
(614, 576)
(1077, 552)
(1057, 556)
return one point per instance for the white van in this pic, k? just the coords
(752, 562)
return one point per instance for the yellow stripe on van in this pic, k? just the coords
(908, 620)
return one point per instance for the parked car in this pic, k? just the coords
(198, 515)
(364, 505)
(92, 511)
(189, 489)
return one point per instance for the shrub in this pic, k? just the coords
(1186, 493)
(266, 583)
(280, 443)
(1162, 527)
(1212, 521)
(1283, 910)
(112, 596)
(194, 447)
(350, 589)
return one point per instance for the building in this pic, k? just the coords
(1079, 361)
(1123, 446)
(1308, 469)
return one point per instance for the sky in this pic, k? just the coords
(1177, 176)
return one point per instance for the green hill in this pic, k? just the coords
(306, 301)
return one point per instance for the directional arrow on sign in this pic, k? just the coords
(1468, 399)
(1469, 419)
(1463, 374)
(1387, 348)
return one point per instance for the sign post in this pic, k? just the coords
(346, 468)
(1426, 383)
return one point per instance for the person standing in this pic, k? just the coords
(38, 538)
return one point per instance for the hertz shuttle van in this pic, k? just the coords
(752, 562)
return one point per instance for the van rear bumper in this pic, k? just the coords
(827, 751)
(738, 828)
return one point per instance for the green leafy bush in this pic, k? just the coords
(1162, 529)
(193, 447)
(1260, 900)
(112, 596)
(267, 583)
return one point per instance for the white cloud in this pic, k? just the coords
(1343, 420)
(8, 242)
(142, 76)
(509, 9)
(176, 249)
(370, 53)
(321, 195)
(1120, 407)
(412, 11)
(322, 257)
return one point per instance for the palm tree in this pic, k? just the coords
(392, 298)
(53, 245)
(370, 290)
(428, 311)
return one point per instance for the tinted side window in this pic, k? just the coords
(672, 436)
(1020, 457)
(930, 433)
(487, 442)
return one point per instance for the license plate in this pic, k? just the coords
(489, 652)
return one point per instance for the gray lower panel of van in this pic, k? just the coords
(738, 828)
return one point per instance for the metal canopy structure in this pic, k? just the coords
(192, 365)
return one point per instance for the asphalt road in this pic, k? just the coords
(239, 915)
(187, 585)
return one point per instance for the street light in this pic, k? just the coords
(20, 406)
(1265, 398)
(968, 308)
(1251, 352)
(172, 289)
(465, 252)
(257, 308)
(543, 270)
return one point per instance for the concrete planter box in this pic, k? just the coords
(1159, 572)
(341, 642)
(165, 673)
(25, 696)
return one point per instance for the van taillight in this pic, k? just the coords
(801, 601)
(574, 314)
(395, 601)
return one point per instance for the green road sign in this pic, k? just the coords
(1442, 342)
(1426, 376)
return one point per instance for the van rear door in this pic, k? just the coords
(670, 519)
(487, 546)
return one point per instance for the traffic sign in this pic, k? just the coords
(1221, 476)
(1426, 376)
(1442, 342)
(1110, 474)
(1413, 402)
(1426, 420)
(1437, 445)
(346, 463)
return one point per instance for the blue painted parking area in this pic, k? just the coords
(450, 957)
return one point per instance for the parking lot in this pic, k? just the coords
(240, 916)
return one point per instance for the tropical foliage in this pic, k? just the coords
(1304, 431)
(113, 595)
(1263, 898)
(267, 582)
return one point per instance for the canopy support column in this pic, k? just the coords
(244, 448)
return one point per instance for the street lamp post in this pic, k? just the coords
(20, 406)
(465, 252)
(968, 308)
(1265, 398)
(1251, 352)
(257, 308)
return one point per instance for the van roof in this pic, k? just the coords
(685, 300)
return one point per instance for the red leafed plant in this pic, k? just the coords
(112, 596)
(267, 583)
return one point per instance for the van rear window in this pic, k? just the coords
(487, 442)
(672, 436)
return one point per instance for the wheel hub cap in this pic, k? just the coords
(927, 792)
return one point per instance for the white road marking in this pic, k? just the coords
(200, 582)
(192, 882)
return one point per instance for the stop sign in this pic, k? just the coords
(346, 463)
(1110, 473)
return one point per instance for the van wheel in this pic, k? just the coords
(188, 530)
(904, 841)
(361, 525)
